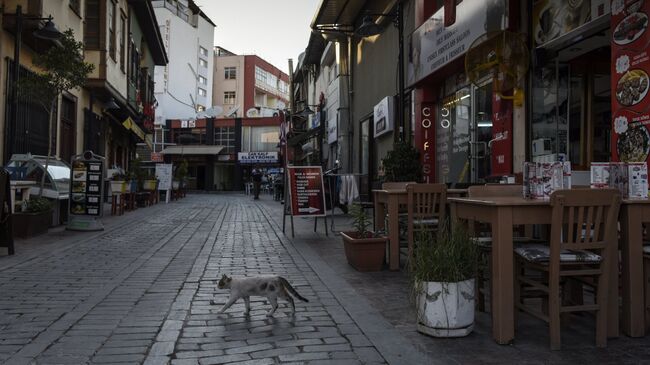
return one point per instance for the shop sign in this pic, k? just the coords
(555, 18)
(425, 139)
(433, 45)
(156, 157)
(332, 130)
(257, 157)
(630, 81)
(383, 116)
(184, 123)
(164, 176)
(86, 191)
(307, 193)
(501, 146)
(314, 120)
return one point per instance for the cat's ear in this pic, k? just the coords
(224, 277)
(228, 279)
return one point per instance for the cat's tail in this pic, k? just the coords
(291, 290)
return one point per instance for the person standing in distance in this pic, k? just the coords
(257, 180)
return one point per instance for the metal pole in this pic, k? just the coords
(12, 127)
(400, 72)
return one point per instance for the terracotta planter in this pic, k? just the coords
(27, 225)
(364, 254)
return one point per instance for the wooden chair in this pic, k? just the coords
(582, 247)
(646, 286)
(402, 209)
(426, 210)
(396, 185)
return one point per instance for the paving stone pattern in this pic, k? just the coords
(141, 291)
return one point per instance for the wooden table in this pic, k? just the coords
(503, 213)
(633, 214)
(390, 200)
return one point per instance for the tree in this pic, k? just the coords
(61, 68)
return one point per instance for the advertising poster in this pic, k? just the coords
(164, 176)
(307, 191)
(86, 187)
(630, 83)
(501, 147)
(555, 18)
(383, 116)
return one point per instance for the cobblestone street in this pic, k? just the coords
(141, 290)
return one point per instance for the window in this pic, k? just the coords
(230, 73)
(260, 139)
(91, 27)
(111, 29)
(203, 80)
(68, 121)
(122, 42)
(203, 51)
(229, 97)
(75, 5)
(134, 65)
(260, 75)
(202, 92)
(187, 136)
(203, 63)
(225, 136)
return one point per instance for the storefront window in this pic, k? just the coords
(549, 131)
(453, 137)
(260, 139)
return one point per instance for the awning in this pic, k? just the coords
(133, 126)
(192, 150)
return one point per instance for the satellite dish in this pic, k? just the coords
(201, 115)
(214, 111)
(252, 113)
(504, 57)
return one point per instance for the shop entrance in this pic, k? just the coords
(463, 135)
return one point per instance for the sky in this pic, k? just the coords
(275, 30)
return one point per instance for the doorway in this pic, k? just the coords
(481, 132)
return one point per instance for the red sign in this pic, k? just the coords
(307, 193)
(425, 139)
(156, 157)
(501, 146)
(630, 81)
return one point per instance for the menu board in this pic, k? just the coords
(306, 191)
(86, 186)
(164, 176)
(630, 82)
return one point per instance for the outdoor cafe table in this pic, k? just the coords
(503, 213)
(390, 200)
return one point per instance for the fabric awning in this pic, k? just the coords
(192, 150)
(133, 126)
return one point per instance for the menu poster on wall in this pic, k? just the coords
(555, 18)
(501, 147)
(630, 82)
(86, 187)
(383, 116)
(307, 191)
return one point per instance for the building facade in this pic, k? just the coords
(248, 86)
(183, 87)
(114, 33)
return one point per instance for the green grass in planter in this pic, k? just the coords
(38, 205)
(449, 256)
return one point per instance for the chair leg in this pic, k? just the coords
(646, 286)
(601, 315)
(554, 314)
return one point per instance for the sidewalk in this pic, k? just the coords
(387, 293)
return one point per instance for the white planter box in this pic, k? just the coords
(446, 309)
(118, 187)
(176, 184)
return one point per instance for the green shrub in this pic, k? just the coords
(402, 164)
(38, 205)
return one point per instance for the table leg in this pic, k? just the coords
(503, 327)
(380, 215)
(632, 272)
(393, 228)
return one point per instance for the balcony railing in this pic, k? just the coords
(179, 10)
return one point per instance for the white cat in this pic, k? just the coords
(270, 287)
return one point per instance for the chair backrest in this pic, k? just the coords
(396, 185)
(584, 219)
(490, 190)
(427, 201)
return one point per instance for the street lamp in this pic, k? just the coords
(48, 32)
(370, 28)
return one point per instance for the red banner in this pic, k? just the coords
(306, 191)
(630, 81)
(501, 145)
(425, 139)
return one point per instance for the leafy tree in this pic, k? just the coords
(61, 68)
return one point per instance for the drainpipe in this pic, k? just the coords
(350, 97)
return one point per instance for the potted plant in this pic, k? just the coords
(402, 164)
(118, 183)
(35, 218)
(150, 182)
(364, 250)
(442, 276)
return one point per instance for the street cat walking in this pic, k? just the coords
(271, 287)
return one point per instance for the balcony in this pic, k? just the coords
(179, 10)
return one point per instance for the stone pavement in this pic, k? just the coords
(140, 291)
